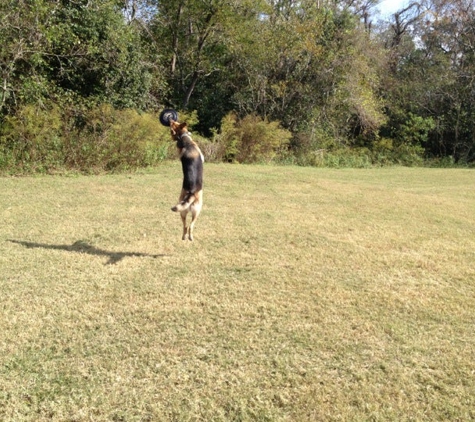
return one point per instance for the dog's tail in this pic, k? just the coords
(185, 203)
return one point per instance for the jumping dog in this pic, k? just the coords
(191, 196)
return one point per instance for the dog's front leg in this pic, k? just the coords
(183, 219)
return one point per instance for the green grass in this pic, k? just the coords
(307, 295)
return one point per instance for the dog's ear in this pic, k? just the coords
(183, 126)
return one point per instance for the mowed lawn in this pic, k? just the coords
(307, 295)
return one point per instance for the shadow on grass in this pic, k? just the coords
(84, 247)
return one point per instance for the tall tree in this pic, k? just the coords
(50, 48)
(312, 64)
(22, 47)
(192, 35)
(431, 50)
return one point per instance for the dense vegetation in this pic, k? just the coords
(309, 82)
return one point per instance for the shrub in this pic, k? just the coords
(75, 137)
(385, 151)
(225, 144)
(213, 151)
(31, 139)
(251, 139)
(118, 140)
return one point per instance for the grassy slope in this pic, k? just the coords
(308, 294)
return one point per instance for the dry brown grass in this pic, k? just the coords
(308, 294)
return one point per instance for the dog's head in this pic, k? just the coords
(177, 129)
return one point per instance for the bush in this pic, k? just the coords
(77, 138)
(387, 152)
(112, 140)
(250, 140)
(103, 139)
(225, 144)
(31, 140)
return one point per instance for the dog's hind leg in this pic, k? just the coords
(183, 215)
(195, 212)
(195, 209)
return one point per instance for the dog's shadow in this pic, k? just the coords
(81, 246)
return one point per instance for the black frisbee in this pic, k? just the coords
(167, 115)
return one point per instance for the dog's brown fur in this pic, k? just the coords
(191, 196)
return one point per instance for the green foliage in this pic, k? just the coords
(226, 141)
(251, 139)
(415, 130)
(343, 91)
(107, 140)
(52, 49)
(387, 152)
(119, 140)
(260, 140)
(31, 140)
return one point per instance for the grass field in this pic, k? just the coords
(307, 295)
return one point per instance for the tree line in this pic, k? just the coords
(311, 82)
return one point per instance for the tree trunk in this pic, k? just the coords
(175, 39)
(190, 89)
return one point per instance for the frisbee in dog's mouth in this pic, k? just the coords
(167, 115)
